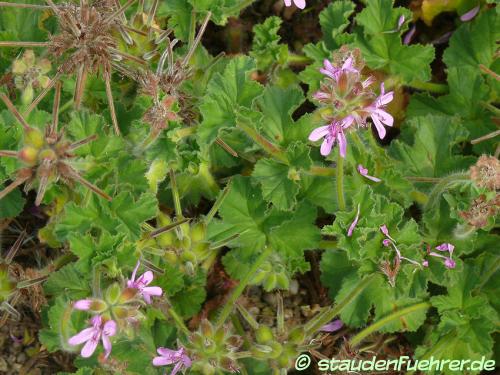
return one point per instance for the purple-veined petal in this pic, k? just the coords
(186, 361)
(89, 347)
(354, 223)
(288, 3)
(367, 82)
(320, 95)
(145, 278)
(333, 326)
(96, 321)
(342, 143)
(348, 121)
(470, 14)
(176, 368)
(387, 242)
(106, 344)
(109, 328)
(162, 361)
(319, 133)
(328, 66)
(326, 146)
(82, 336)
(153, 290)
(409, 35)
(147, 298)
(83, 304)
(384, 117)
(169, 353)
(301, 4)
(385, 99)
(380, 128)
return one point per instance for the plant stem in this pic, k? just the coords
(442, 185)
(388, 319)
(322, 171)
(436, 88)
(325, 317)
(229, 305)
(299, 59)
(486, 137)
(272, 149)
(340, 182)
(178, 320)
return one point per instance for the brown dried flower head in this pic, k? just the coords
(481, 210)
(486, 172)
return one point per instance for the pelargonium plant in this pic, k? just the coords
(217, 187)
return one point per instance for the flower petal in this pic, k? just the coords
(319, 133)
(106, 344)
(470, 14)
(82, 336)
(153, 291)
(288, 3)
(380, 128)
(161, 361)
(166, 352)
(109, 328)
(333, 326)
(145, 278)
(83, 304)
(353, 224)
(89, 348)
(301, 4)
(326, 146)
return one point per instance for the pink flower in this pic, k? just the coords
(301, 4)
(83, 304)
(376, 111)
(364, 172)
(141, 284)
(334, 72)
(331, 133)
(448, 261)
(170, 357)
(353, 224)
(91, 336)
(390, 241)
(333, 326)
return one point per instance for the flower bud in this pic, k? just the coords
(29, 155)
(34, 137)
(263, 334)
(113, 293)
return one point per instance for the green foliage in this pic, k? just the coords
(232, 192)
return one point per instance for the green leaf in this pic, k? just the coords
(266, 48)
(11, 205)
(297, 234)
(382, 48)
(226, 93)
(428, 156)
(334, 19)
(68, 281)
(277, 105)
(475, 42)
(123, 215)
(179, 13)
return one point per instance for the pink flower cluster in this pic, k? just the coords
(101, 326)
(349, 101)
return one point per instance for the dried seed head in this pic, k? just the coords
(391, 271)
(161, 113)
(486, 172)
(46, 156)
(481, 210)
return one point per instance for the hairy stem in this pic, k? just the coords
(388, 319)
(327, 315)
(340, 182)
(229, 305)
(436, 88)
(444, 184)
